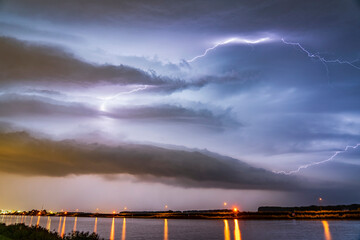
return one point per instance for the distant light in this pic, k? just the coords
(114, 212)
(225, 203)
(65, 212)
(235, 209)
(125, 208)
(320, 199)
(166, 206)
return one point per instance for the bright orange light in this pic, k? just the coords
(112, 232)
(237, 234)
(95, 225)
(166, 206)
(114, 212)
(125, 208)
(226, 230)
(225, 203)
(65, 212)
(123, 234)
(327, 233)
(166, 236)
(235, 209)
(320, 199)
(75, 222)
(63, 228)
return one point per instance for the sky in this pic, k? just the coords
(142, 104)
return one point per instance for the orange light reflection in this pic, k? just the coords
(112, 233)
(95, 225)
(226, 230)
(166, 237)
(48, 224)
(123, 235)
(38, 221)
(59, 225)
(237, 234)
(327, 233)
(63, 228)
(75, 221)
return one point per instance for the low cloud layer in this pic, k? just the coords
(17, 106)
(23, 154)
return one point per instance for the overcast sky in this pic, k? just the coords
(107, 104)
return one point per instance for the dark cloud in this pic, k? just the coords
(20, 106)
(23, 154)
(230, 15)
(26, 62)
(33, 64)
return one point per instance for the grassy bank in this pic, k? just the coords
(22, 232)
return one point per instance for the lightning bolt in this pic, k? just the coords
(320, 58)
(105, 100)
(323, 60)
(317, 163)
(229, 41)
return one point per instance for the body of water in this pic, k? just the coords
(166, 229)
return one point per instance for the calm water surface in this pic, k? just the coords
(151, 229)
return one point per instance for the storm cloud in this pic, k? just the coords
(118, 74)
(25, 155)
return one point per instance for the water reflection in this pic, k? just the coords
(165, 229)
(95, 225)
(63, 228)
(123, 235)
(59, 225)
(327, 233)
(226, 230)
(75, 221)
(237, 234)
(112, 232)
(31, 221)
(38, 221)
(48, 224)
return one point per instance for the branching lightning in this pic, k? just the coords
(320, 58)
(229, 41)
(105, 100)
(317, 163)
(236, 40)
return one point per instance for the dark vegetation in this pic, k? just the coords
(22, 232)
